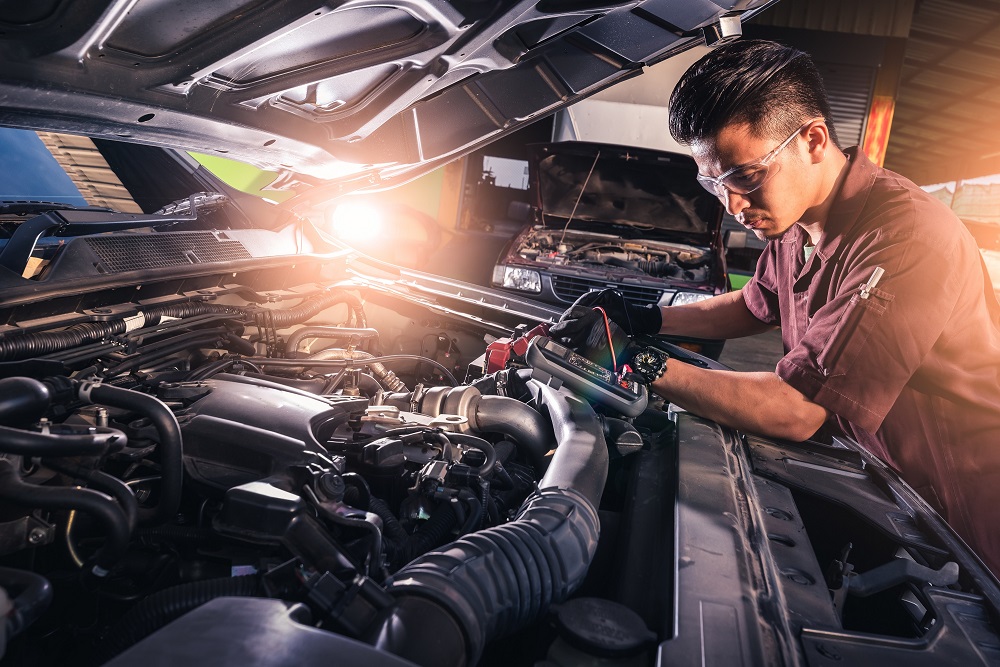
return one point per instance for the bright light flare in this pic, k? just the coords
(356, 222)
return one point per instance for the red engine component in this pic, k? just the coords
(499, 352)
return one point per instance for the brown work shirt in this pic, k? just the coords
(910, 368)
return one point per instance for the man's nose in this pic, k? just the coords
(735, 202)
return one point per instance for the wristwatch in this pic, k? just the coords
(649, 364)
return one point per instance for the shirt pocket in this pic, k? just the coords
(849, 337)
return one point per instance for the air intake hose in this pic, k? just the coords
(488, 584)
(486, 414)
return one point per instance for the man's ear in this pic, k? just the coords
(819, 141)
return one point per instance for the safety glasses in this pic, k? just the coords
(746, 178)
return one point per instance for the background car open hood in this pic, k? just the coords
(370, 91)
(623, 185)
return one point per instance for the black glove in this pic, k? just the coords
(583, 329)
(633, 319)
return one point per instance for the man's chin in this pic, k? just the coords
(769, 234)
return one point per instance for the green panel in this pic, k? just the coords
(242, 176)
(738, 280)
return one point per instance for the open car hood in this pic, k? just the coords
(374, 92)
(581, 182)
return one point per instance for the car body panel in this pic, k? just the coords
(372, 92)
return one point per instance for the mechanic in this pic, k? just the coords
(889, 322)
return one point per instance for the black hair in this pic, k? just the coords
(769, 86)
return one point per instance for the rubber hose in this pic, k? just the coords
(393, 530)
(102, 481)
(240, 345)
(98, 505)
(482, 445)
(355, 481)
(31, 593)
(23, 400)
(170, 447)
(33, 443)
(514, 419)
(168, 605)
(313, 306)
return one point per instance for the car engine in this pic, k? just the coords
(615, 256)
(163, 457)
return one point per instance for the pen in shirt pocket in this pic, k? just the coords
(866, 289)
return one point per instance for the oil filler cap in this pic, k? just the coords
(602, 627)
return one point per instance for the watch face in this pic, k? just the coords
(649, 364)
(645, 360)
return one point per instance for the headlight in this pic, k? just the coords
(689, 297)
(525, 280)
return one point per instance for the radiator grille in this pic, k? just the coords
(139, 252)
(570, 288)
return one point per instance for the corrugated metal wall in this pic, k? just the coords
(849, 88)
(880, 18)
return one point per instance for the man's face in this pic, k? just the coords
(786, 194)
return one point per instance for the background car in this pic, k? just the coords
(632, 219)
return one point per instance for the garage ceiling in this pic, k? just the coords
(947, 123)
(947, 54)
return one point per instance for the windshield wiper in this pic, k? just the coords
(18, 207)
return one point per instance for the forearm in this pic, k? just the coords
(759, 403)
(723, 316)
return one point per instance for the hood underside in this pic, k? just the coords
(608, 184)
(375, 91)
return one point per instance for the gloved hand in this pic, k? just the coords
(583, 329)
(633, 319)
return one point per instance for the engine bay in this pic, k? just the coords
(375, 468)
(615, 256)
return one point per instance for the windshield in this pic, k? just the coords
(59, 168)
(657, 193)
(34, 174)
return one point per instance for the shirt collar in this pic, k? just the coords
(849, 202)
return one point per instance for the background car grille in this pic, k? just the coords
(569, 289)
(153, 251)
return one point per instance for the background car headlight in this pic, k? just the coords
(513, 277)
(689, 297)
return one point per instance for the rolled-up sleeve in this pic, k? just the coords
(761, 292)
